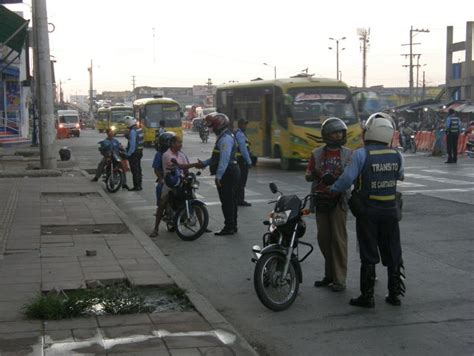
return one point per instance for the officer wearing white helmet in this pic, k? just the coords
(135, 151)
(374, 170)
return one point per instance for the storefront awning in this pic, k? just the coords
(13, 30)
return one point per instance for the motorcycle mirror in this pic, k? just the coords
(273, 188)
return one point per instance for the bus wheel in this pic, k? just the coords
(287, 163)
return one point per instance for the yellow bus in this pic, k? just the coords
(150, 111)
(113, 117)
(102, 122)
(285, 115)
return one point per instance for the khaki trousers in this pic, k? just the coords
(332, 240)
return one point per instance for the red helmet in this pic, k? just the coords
(217, 121)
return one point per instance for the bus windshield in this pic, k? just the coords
(168, 112)
(68, 119)
(311, 106)
(118, 116)
(102, 116)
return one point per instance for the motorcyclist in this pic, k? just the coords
(108, 147)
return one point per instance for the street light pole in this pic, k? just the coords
(274, 69)
(337, 54)
(44, 85)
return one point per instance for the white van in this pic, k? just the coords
(69, 119)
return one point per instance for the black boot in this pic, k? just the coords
(396, 286)
(367, 280)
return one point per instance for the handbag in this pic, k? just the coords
(358, 203)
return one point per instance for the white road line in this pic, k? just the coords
(439, 171)
(410, 184)
(438, 190)
(438, 179)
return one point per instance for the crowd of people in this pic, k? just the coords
(332, 169)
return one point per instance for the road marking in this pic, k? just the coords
(438, 190)
(439, 171)
(438, 179)
(410, 184)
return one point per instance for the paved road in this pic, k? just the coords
(437, 316)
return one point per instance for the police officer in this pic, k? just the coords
(135, 152)
(224, 166)
(376, 168)
(243, 159)
(453, 128)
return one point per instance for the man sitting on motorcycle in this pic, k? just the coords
(108, 147)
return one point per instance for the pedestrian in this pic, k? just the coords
(452, 126)
(325, 165)
(161, 145)
(243, 159)
(375, 170)
(224, 166)
(135, 152)
(108, 147)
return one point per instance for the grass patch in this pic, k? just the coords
(112, 300)
(98, 301)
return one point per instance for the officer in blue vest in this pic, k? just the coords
(243, 159)
(374, 170)
(452, 126)
(224, 166)
(135, 152)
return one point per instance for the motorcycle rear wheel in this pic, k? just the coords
(192, 227)
(114, 181)
(275, 294)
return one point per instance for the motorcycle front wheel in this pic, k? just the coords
(114, 181)
(275, 292)
(413, 146)
(191, 227)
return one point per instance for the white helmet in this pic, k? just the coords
(130, 121)
(379, 127)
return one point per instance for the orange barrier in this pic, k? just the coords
(462, 143)
(62, 133)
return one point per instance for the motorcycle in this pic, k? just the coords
(470, 146)
(278, 271)
(410, 143)
(114, 173)
(204, 133)
(184, 214)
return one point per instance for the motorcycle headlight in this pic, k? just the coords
(195, 185)
(113, 128)
(279, 218)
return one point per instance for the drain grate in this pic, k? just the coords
(84, 229)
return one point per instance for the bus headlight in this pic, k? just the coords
(298, 140)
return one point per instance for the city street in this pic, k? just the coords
(436, 316)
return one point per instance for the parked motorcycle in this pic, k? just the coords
(278, 271)
(470, 146)
(185, 214)
(204, 133)
(114, 174)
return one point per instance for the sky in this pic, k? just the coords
(185, 42)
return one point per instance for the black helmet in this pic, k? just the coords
(164, 140)
(331, 125)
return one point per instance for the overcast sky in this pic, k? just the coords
(230, 40)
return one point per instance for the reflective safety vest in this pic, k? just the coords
(216, 154)
(140, 138)
(238, 154)
(378, 179)
(454, 126)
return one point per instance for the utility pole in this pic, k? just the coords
(133, 83)
(91, 94)
(423, 92)
(411, 44)
(364, 46)
(44, 85)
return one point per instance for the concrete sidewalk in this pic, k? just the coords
(47, 225)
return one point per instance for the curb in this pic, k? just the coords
(207, 310)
